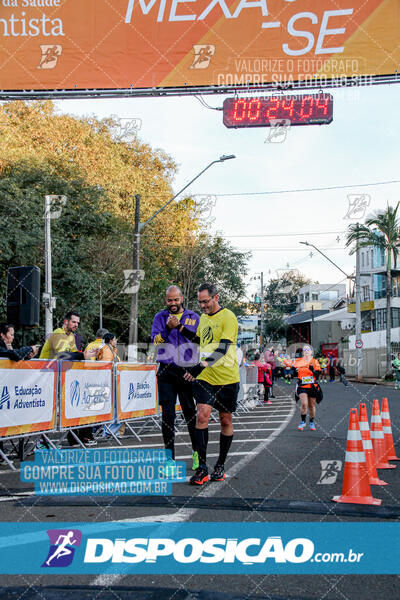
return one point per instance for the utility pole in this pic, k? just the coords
(101, 308)
(262, 312)
(135, 276)
(133, 323)
(48, 294)
(358, 313)
(357, 281)
(48, 301)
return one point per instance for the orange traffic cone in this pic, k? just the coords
(387, 431)
(356, 487)
(378, 441)
(367, 445)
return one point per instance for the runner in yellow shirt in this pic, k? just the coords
(217, 381)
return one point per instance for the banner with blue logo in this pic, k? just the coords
(136, 390)
(192, 548)
(86, 393)
(27, 396)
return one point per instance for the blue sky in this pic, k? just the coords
(360, 146)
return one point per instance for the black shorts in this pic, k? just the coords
(222, 397)
(311, 393)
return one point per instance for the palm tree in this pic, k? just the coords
(382, 229)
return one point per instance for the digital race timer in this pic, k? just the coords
(302, 109)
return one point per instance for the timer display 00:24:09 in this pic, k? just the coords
(305, 109)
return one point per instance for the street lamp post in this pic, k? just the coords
(356, 280)
(50, 212)
(138, 226)
(261, 278)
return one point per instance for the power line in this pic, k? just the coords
(252, 248)
(320, 189)
(256, 235)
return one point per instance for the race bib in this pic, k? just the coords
(308, 379)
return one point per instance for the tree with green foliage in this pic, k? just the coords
(381, 230)
(280, 298)
(77, 234)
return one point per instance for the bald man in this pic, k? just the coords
(175, 355)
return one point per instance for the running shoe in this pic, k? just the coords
(312, 426)
(41, 446)
(200, 477)
(89, 442)
(195, 459)
(302, 426)
(218, 474)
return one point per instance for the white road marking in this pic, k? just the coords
(184, 514)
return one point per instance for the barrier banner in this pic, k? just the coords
(28, 392)
(72, 45)
(86, 393)
(136, 390)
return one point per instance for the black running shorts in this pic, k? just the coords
(222, 397)
(311, 393)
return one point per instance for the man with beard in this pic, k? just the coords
(217, 377)
(175, 355)
(61, 344)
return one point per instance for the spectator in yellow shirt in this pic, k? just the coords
(98, 342)
(63, 340)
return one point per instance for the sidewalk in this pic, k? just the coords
(370, 380)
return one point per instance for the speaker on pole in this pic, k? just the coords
(23, 296)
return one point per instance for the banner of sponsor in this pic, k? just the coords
(200, 548)
(136, 390)
(27, 396)
(86, 393)
(74, 45)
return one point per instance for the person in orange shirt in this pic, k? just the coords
(109, 350)
(308, 370)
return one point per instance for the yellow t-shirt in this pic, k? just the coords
(223, 325)
(58, 341)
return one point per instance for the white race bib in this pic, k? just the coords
(308, 379)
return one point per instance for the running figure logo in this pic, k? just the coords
(330, 469)
(278, 131)
(62, 547)
(358, 204)
(202, 56)
(50, 56)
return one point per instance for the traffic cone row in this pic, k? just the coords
(367, 450)
(387, 431)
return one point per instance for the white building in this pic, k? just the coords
(316, 296)
(373, 299)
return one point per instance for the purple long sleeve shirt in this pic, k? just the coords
(172, 346)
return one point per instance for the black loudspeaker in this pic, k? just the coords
(23, 296)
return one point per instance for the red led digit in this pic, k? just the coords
(288, 108)
(254, 107)
(302, 109)
(272, 108)
(322, 103)
(303, 114)
(239, 104)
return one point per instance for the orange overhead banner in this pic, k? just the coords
(122, 44)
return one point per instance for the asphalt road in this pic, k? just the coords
(273, 474)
